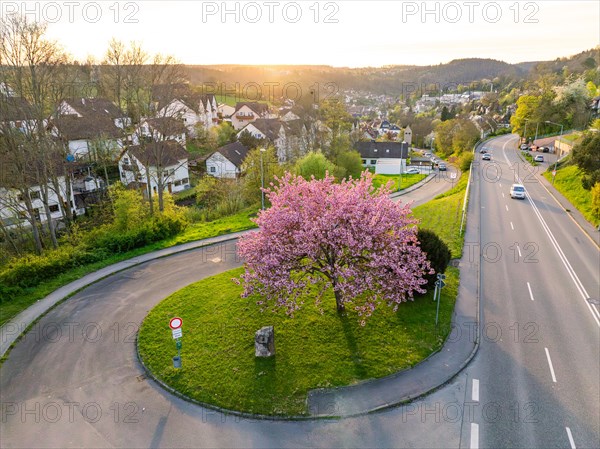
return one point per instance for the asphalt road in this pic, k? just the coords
(74, 380)
(536, 376)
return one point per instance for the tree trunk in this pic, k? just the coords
(339, 301)
(49, 222)
(34, 224)
(149, 184)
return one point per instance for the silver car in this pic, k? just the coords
(517, 191)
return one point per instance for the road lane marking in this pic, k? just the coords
(519, 251)
(550, 364)
(561, 254)
(530, 294)
(506, 207)
(511, 226)
(475, 390)
(474, 436)
(503, 195)
(571, 441)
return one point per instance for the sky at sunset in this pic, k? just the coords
(338, 33)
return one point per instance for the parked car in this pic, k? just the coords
(483, 151)
(517, 191)
(524, 146)
(545, 150)
(412, 171)
(539, 158)
(428, 154)
(487, 157)
(442, 166)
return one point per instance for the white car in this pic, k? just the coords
(539, 158)
(517, 191)
(412, 171)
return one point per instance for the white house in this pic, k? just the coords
(372, 152)
(88, 137)
(159, 129)
(227, 161)
(193, 110)
(168, 158)
(248, 112)
(272, 130)
(14, 212)
(93, 108)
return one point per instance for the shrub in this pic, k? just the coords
(437, 253)
(464, 161)
(596, 200)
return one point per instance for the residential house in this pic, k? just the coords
(167, 158)
(17, 113)
(380, 154)
(248, 112)
(595, 107)
(272, 130)
(192, 110)
(227, 161)
(159, 129)
(88, 138)
(93, 108)
(224, 112)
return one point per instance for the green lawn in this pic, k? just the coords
(407, 180)
(568, 182)
(197, 231)
(443, 214)
(312, 349)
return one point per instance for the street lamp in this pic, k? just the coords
(262, 178)
(556, 161)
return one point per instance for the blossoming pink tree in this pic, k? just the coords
(349, 237)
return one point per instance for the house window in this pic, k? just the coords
(34, 194)
(373, 161)
(126, 160)
(185, 181)
(53, 208)
(213, 169)
(364, 161)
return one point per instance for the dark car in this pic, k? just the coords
(483, 151)
(545, 150)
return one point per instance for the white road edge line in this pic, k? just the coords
(511, 226)
(550, 364)
(571, 441)
(561, 255)
(530, 294)
(474, 436)
(475, 391)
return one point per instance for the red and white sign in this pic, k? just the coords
(175, 323)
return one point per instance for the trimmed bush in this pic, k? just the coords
(437, 252)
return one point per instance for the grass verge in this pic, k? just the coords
(226, 225)
(407, 180)
(313, 350)
(568, 183)
(443, 214)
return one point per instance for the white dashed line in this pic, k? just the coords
(475, 390)
(550, 365)
(474, 436)
(571, 441)
(530, 294)
(506, 207)
(511, 226)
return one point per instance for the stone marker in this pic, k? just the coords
(264, 342)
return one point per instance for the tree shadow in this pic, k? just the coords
(348, 327)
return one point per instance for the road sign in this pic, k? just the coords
(440, 283)
(177, 333)
(441, 276)
(553, 172)
(178, 344)
(452, 175)
(175, 323)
